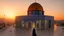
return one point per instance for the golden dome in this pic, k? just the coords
(35, 6)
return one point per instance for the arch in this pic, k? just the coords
(30, 24)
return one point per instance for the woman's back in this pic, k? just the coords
(34, 33)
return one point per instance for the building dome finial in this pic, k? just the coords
(35, 0)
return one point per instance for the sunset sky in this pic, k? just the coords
(12, 8)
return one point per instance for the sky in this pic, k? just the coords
(19, 7)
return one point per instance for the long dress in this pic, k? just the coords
(34, 33)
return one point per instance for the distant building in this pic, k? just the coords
(35, 18)
(1, 20)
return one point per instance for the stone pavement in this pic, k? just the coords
(11, 31)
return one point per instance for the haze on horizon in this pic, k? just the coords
(19, 7)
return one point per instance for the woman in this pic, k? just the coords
(34, 32)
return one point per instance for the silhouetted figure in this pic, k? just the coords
(34, 32)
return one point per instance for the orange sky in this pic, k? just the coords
(19, 7)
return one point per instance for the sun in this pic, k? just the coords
(10, 15)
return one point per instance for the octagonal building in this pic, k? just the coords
(35, 18)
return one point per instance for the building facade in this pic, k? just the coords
(35, 18)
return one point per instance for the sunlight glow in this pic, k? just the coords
(9, 14)
(55, 27)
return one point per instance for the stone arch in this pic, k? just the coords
(31, 24)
